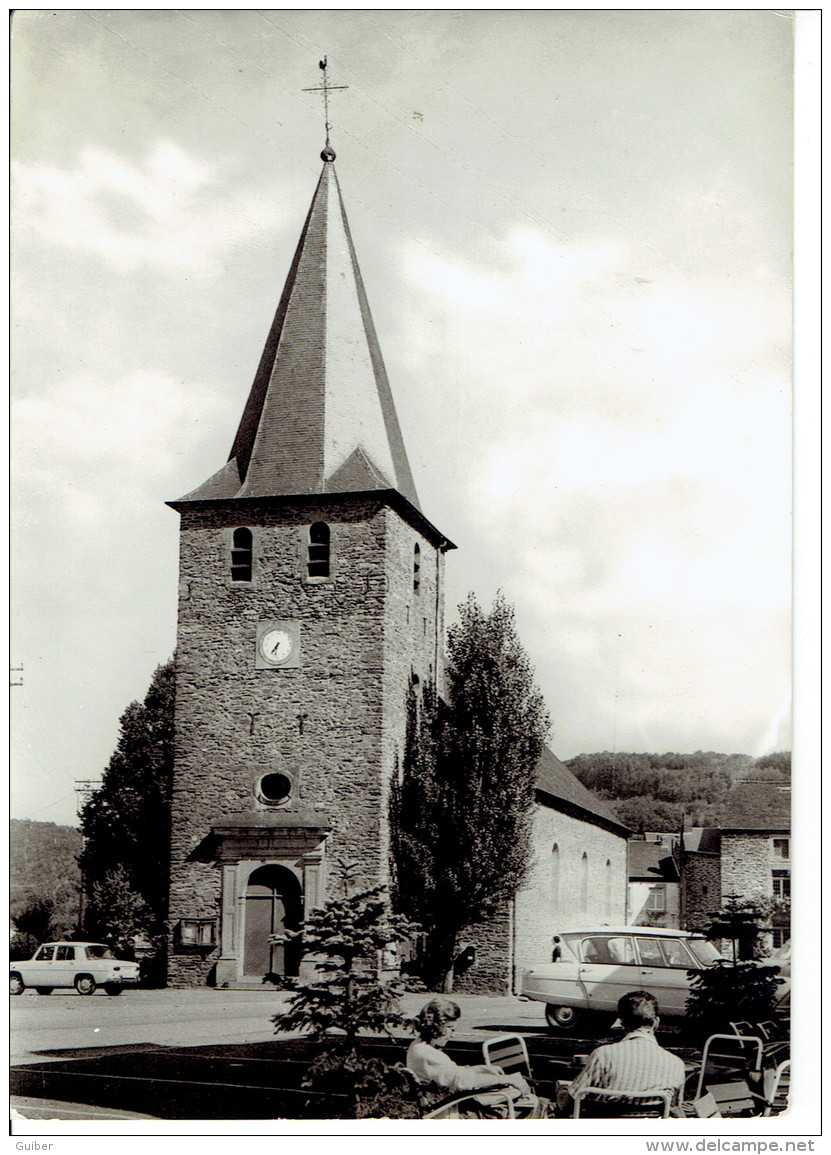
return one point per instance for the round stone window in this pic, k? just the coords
(274, 789)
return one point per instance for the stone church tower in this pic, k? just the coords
(310, 597)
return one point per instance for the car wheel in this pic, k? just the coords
(16, 986)
(44, 990)
(85, 985)
(113, 988)
(562, 1018)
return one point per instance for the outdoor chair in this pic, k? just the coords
(736, 1098)
(509, 1053)
(739, 1055)
(625, 1104)
(483, 1103)
(777, 1086)
(706, 1107)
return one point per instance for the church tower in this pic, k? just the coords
(310, 598)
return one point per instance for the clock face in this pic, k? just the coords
(278, 645)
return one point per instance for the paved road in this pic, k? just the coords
(66, 1020)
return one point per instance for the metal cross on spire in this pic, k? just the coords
(326, 88)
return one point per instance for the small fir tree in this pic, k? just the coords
(346, 1000)
(737, 988)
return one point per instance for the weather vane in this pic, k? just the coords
(326, 88)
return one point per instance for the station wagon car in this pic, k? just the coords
(595, 967)
(82, 965)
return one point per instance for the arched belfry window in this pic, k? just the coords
(241, 555)
(319, 550)
(416, 568)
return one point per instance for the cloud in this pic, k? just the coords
(165, 211)
(626, 468)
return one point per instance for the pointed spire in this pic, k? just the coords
(320, 416)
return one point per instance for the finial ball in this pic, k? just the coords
(328, 154)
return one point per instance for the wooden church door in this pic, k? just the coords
(272, 904)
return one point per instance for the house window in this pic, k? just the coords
(241, 555)
(782, 848)
(657, 899)
(319, 550)
(778, 934)
(416, 568)
(781, 884)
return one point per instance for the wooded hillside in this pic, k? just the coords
(43, 868)
(654, 791)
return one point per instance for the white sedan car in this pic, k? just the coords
(82, 965)
(593, 968)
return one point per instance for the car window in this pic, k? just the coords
(96, 951)
(65, 952)
(677, 954)
(607, 949)
(704, 951)
(650, 951)
(45, 953)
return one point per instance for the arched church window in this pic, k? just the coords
(242, 555)
(607, 890)
(584, 881)
(416, 568)
(319, 550)
(555, 876)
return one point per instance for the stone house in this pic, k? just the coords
(311, 597)
(748, 862)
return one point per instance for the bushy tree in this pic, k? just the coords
(33, 924)
(461, 813)
(345, 999)
(126, 823)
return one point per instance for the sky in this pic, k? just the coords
(574, 228)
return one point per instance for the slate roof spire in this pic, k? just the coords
(320, 417)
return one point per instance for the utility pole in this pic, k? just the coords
(84, 789)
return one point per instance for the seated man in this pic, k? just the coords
(636, 1063)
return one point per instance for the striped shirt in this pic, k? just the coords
(636, 1063)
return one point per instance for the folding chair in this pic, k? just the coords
(736, 1098)
(627, 1104)
(706, 1107)
(777, 1087)
(498, 1100)
(740, 1054)
(509, 1053)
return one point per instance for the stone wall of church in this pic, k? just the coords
(579, 877)
(491, 971)
(334, 724)
(413, 632)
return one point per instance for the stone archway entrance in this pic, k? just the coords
(273, 903)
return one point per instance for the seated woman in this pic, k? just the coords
(434, 1024)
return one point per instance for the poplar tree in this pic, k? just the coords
(461, 810)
